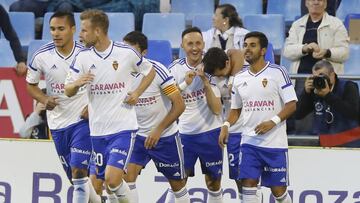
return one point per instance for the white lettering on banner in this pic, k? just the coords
(8, 92)
(164, 165)
(282, 169)
(123, 152)
(40, 176)
(80, 151)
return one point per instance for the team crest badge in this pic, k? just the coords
(264, 82)
(115, 65)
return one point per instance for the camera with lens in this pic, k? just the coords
(319, 81)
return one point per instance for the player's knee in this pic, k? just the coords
(177, 185)
(249, 182)
(213, 184)
(78, 173)
(278, 191)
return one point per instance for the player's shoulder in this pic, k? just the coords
(125, 47)
(160, 69)
(44, 49)
(277, 69)
(177, 62)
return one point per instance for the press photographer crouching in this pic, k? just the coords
(334, 101)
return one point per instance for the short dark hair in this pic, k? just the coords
(137, 37)
(229, 11)
(215, 58)
(261, 36)
(324, 64)
(64, 14)
(190, 30)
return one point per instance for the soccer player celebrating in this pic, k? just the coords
(157, 139)
(263, 97)
(222, 66)
(199, 125)
(70, 133)
(106, 69)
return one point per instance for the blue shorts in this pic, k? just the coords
(269, 164)
(73, 145)
(205, 147)
(113, 150)
(167, 155)
(233, 150)
(93, 169)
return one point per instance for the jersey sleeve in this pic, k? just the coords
(214, 86)
(236, 101)
(287, 91)
(34, 70)
(164, 79)
(139, 63)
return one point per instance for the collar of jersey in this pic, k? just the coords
(107, 55)
(66, 57)
(258, 73)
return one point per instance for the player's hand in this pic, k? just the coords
(132, 98)
(39, 107)
(264, 127)
(84, 79)
(50, 102)
(85, 113)
(189, 76)
(200, 72)
(152, 139)
(21, 69)
(223, 137)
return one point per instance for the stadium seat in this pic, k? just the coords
(202, 21)
(245, 7)
(291, 9)
(34, 46)
(352, 65)
(272, 25)
(6, 54)
(269, 55)
(117, 28)
(349, 17)
(346, 7)
(24, 26)
(160, 50)
(182, 53)
(120, 25)
(6, 3)
(160, 26)
(192, 7)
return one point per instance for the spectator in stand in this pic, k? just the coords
(11, 36)
(333, 101)
(35, 126)
(228, 31)
(332, 5)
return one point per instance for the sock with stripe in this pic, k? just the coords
(251, 195)
(133, 195)
(182, 196)
(215, 196)
(170, 197)
(122, 192)
(81, 190)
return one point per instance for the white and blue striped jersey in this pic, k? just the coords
(55, 67)
(113, 69)
(197, 117)
(153, 104)
(225, 92)
(262, 96)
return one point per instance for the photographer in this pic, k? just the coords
(334, 101)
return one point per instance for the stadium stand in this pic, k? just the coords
(160, 50)
(245, 7)
(192, 7)
(24, 25)
(202, 21)
(289, 8)
(346, 7)
(6, 54)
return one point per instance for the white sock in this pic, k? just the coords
(122, 192)
(285, 198)
(170, 197)
(81, 190)
(182, 196)
(251, 195)
(215, 196)
(94, 197)
(133, 195)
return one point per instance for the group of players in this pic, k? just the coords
(111, 111)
